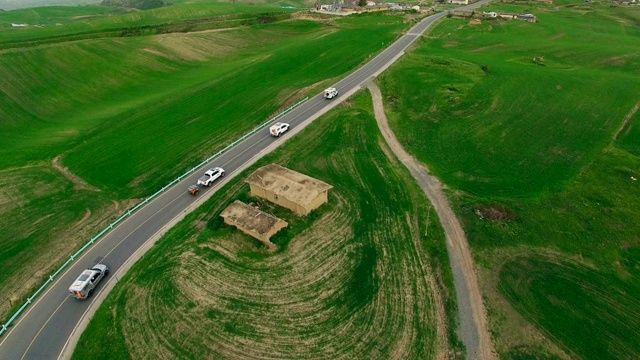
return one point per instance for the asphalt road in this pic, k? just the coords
(45, 330)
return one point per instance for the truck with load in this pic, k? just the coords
(84, 285)
(278, 128)
(210, 176)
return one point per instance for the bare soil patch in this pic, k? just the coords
(627, 118)
(480, 49)
(556, 36)
(197, 46)
(78, 183)
(495, 213)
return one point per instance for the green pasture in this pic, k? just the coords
(61, 24)
(50, 15)
(595, 218)
(18, 4)
(95, 89)
(519, 127)
(114, 109)
(519, 119)
(593, 314)
(349, 280)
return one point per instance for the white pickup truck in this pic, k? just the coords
(278, 128)
(210, 176)
(84, 285)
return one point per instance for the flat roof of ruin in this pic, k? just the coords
(292, 185)
(249, 218)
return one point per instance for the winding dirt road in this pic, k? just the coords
(473, 330)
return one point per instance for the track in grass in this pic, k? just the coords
(594, 315)
(518, 118)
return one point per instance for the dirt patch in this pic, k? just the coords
(627, 118)
(157, 52)
(86, 216)
(480, 49)
(495, 213)
(78, 183)
(556, 36)
(197, 46)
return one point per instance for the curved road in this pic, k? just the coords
(50, 326)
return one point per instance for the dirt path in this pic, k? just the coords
(473, 331)
(78, 183)
(627, 118)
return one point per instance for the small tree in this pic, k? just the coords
(362, 2)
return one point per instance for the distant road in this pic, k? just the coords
(50, 327)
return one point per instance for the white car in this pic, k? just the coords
(210, 176)
(330, 93)
(278, 128)
(84, 285)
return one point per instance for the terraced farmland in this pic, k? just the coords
(360, 278)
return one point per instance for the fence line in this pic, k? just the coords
(30, 299)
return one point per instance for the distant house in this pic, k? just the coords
(371, 3)
(458, 2)
(508, 16)
(528, 17)
(490, 14)
(463, 13)
(19, 25)
(380, 7)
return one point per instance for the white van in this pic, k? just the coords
(83, 287)
(330, 93)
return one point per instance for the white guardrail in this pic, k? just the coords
(5, 327)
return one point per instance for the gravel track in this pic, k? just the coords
(473, 330)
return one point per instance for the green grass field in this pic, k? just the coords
(519, 120)
(53, 25)
(355, 279)
(129, 114)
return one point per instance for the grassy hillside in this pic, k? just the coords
(526, 123)
(129, 114)
(358, 278)
(49, 25)
(19, 4)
